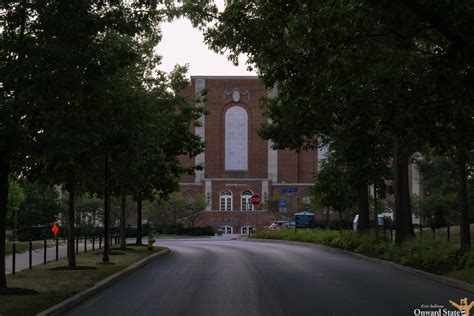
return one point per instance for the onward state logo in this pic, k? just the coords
(463, 309)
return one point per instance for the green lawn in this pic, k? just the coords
(442, 234)
(53, 286)
(466, 275)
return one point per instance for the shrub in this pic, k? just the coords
(180, 230)
(430, 255)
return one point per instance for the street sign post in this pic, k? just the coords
(289, 190)
(55, 230)
(304, 220)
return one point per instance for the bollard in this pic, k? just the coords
(448, 233)
(14, 258)
(434, 233)
(85, 243)
(45, 250)
(77, 245)
(30, 257)
(100, 242)
(391, 233)
(57, 249)
(93, 242)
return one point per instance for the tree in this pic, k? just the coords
(40, 206)
(438, 176)
(371, 63)
(16, 197)
(333, 188)
(16, 41)
(196, 206)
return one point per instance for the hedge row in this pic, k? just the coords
(434, 256)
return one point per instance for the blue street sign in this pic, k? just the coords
(282, 202)
(288, 190)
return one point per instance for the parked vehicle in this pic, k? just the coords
(282, 225)
(386, 217)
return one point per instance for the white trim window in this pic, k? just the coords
(245, 204)
(244, 230)
(227, 230)
(225, 201)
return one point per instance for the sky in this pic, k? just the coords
(182, 44)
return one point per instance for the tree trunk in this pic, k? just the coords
(123, 240)
(4, 174)
(139, 222)
(403, 220)
(327, 219)
(363, 225)
(461, 159)
(105, 257)
(376, 218)
(71, 221)
(340, 221)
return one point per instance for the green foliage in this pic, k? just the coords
(439, 204)
(16, 197)
(333, 187)
(40, 206)
(438, 173)
(180, 230)
(323, 237)
(429, 255)
(36, 204)
(439, 208)
(374, 80)
(167, 211)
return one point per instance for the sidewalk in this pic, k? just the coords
(37, 256)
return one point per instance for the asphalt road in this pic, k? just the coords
(230, 277)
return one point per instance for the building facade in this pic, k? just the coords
(238, 163)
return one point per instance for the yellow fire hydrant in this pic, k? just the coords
(151, 241)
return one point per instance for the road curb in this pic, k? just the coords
(433, 277)
(69, 303)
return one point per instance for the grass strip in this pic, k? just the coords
(55, 284)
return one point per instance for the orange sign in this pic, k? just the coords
(55, 229)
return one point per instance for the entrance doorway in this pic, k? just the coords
(246, 229)
(227, 230)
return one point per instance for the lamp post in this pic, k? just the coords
(247, 209)
(15, 226)
(469, 178)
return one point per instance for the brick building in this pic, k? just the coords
(238, 163)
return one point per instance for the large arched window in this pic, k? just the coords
(245, 204)
(226, 200)
(236, 139)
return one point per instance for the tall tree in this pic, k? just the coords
(16, 45)
(374, 60)
(333, 187)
